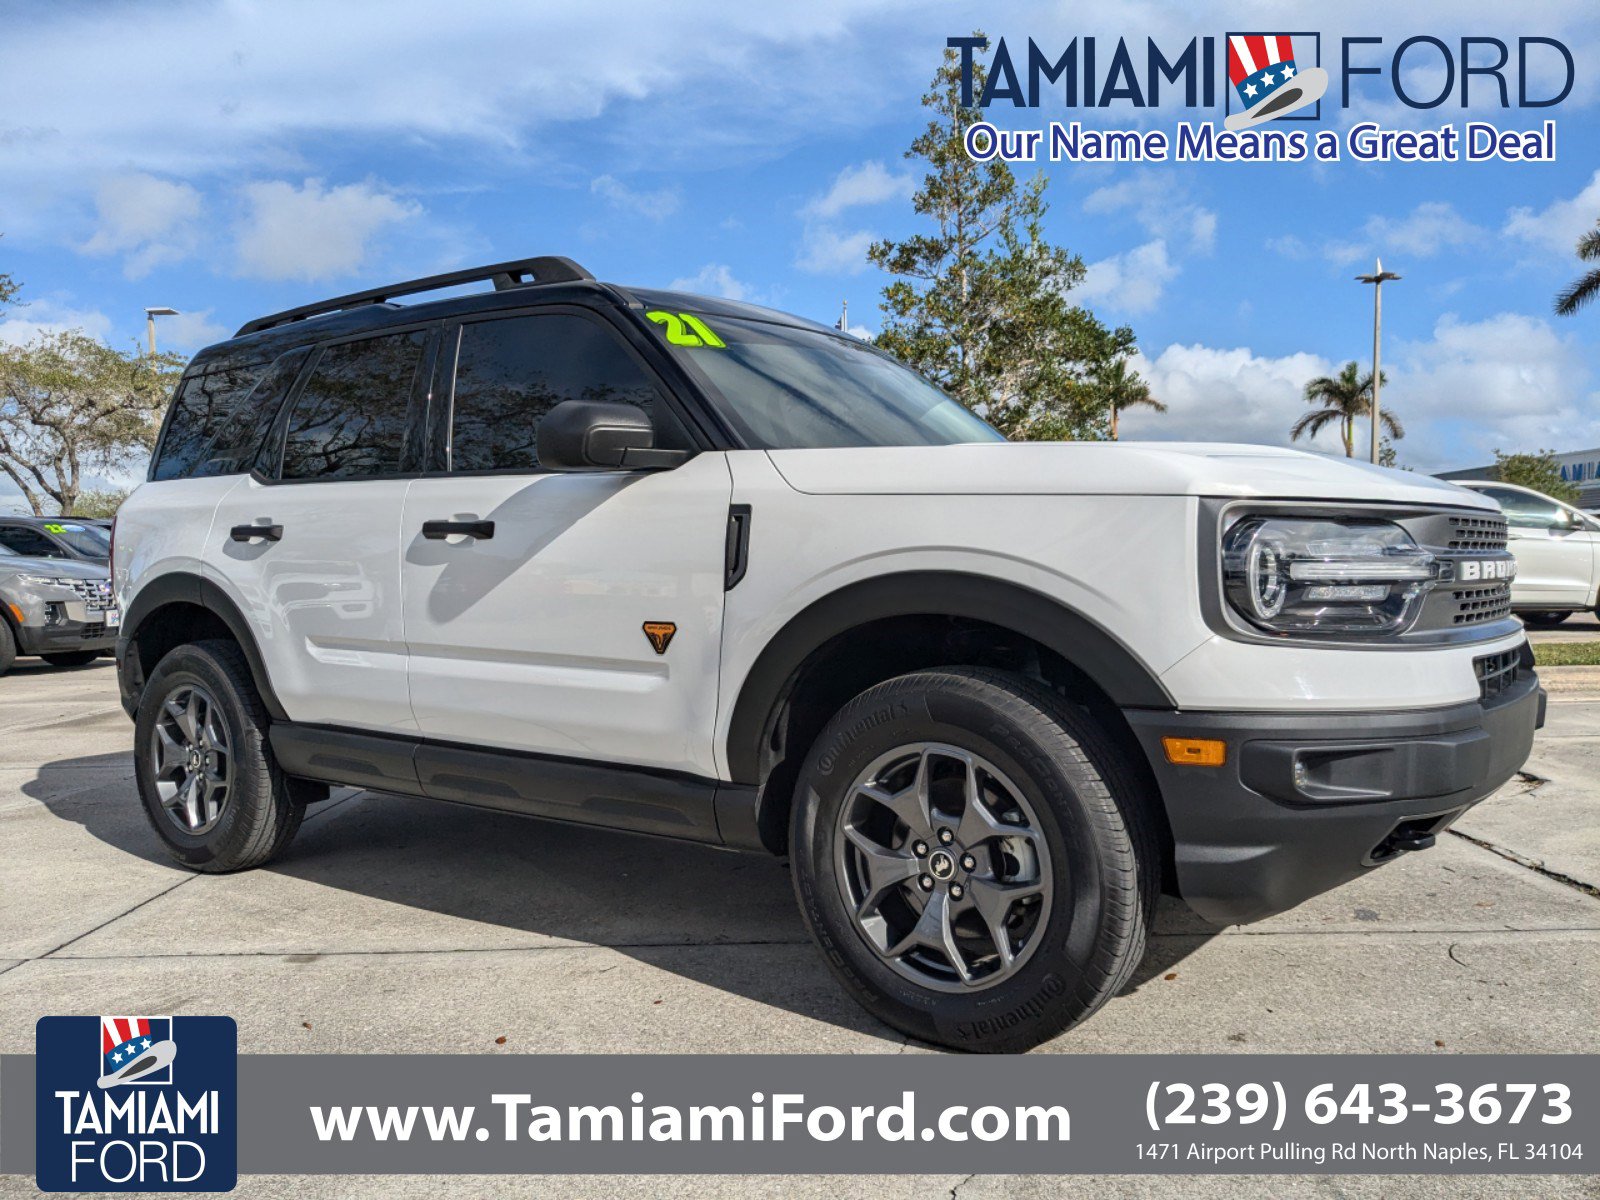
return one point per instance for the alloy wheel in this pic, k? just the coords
(943, 867)
(193, 759)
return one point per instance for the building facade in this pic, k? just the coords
(1580, 467)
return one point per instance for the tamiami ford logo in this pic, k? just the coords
(1268, 85)
(137, 1104)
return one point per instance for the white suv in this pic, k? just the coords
(686, 567)
(1557, 548)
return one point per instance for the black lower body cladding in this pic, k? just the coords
(1307, 801)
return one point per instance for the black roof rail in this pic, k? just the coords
(551, 268)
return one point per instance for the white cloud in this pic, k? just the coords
(714, 279)
(1429, 228)
(824, 250)
(1157, 203)
(1227, 395)
(865, 184)
(312, 232)
(657, 205)
(23, 323)
(151, 221)
(1132, 282)
(1558, 226)
(189, 331)
(1509, 382)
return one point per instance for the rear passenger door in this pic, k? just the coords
(321, 582)
(534, 638)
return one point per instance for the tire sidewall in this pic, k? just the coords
(1048, 991)
(191, 665)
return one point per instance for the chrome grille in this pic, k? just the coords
(96, 594)
(1474, 606)
(1477, 533)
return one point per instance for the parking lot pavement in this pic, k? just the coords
(392, 919)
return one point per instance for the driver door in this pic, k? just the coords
(526, 609)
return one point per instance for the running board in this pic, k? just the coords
(609, 795)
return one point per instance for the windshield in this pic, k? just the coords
(785, 387)
(91, 541)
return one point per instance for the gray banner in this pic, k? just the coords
(1049, 1114)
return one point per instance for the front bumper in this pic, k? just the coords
(1307, 801)
(66, 637)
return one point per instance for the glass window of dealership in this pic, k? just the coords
(1581, 467)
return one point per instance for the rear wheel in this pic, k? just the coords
(8, 647)
(1543, 620)
(71, 658)
(972, 855)
(210, 786)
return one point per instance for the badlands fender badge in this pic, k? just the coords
(660, 634)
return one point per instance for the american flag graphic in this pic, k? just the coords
(1259, 64)
(125, 1040)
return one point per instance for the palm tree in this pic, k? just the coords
(1586, 286)
(1124, 389)
(1344, 398)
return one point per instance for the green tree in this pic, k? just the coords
(68, 404)
(980, 303)
(99, 503)
(1120, 389)
(1344, 398)
(1586, 286)
(1537, 470)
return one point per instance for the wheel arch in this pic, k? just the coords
(872, 630)
(169, 611)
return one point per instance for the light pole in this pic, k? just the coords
(1377, 280)
(150, 315)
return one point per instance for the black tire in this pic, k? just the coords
(1090, 804)
(8, 647)
(1543, 620)
(71, 658)
(262, 812)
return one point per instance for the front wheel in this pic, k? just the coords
(210, 786)
(974, 858)
(71, 658)
(1543, 620)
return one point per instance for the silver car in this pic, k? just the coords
(60, 609)
(1557, 548)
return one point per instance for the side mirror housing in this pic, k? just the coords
(600, 435)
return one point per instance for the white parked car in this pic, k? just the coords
(1557, 548)
(680, 566)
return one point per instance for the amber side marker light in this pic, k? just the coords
(17, 612)
(1195, 752)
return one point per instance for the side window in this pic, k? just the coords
(1528, 512)
(240, 444)
(23, 540)
(352, 417)
(202, 406)
(511, 372)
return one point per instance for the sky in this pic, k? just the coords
(231, 158)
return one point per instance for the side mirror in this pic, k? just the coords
(601, 435)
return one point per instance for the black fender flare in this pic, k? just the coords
(185, 587)
(1099, 654)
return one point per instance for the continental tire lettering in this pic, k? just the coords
(869, 722)
(1034, 1006)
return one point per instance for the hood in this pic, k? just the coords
(1108, 468)
(62, 568)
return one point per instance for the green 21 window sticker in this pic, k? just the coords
(686, 329)
(56, 528)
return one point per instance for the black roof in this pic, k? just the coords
(554, 279)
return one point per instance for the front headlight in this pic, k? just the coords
(45, 581)
(1291, 575)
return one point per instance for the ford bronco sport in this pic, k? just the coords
(686, 567)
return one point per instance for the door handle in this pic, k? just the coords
(437, 530)
(247, 533)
